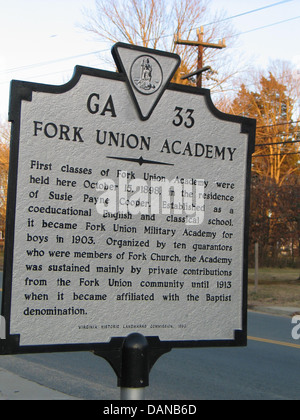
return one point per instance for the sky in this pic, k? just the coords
(42, 40)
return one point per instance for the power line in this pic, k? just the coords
(61, 72)
(274, 136)
(265, 26)
(248, 12)
(277, 154)
(275, 125)
(46, 63)
(280, 142)
(165, 36)
(230, 17)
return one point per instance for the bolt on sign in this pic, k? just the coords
(128, 211)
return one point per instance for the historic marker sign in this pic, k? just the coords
(127, 211)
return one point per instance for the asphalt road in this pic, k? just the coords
(268, 368)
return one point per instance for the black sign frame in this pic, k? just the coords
(22, 91)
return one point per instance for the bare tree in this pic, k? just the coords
(153, 24)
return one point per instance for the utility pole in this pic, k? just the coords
(256, 267)
(200, 44)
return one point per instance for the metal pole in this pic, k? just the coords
(130, 394)
(256, 267)
(135, 367)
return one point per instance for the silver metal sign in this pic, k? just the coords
(127, 211)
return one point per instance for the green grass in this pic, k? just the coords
(276, 287)
(275, 275)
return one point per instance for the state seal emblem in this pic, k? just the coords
(146, 74)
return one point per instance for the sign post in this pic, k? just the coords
(135, 369)
(127, 221)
